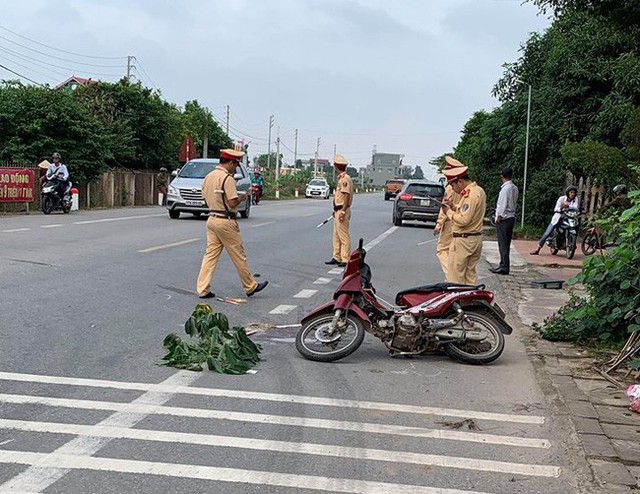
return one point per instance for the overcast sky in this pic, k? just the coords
(403, 75)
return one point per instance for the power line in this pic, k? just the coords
(57, 58)
(42, 62)
(8, 54)
(146, 75)
(59, 49)
(20, 75)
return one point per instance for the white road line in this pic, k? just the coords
(219, 474)
(51, 226)
(16, 230)
(167, 246)
(354, 453)
(263, 224)
(336, 271)
(305, 294)
(37, 478)
(322, 281)
(261, 418)
(283, 309)
(123, 218)
(283, 398)
(380, 238)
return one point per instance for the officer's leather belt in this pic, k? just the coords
(337, 207)
(223, 214)
(465, 235)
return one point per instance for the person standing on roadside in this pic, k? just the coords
(341, 213)
(443, 226)
(162, 180)
(467, 218)
(505, 219)
(222, 198)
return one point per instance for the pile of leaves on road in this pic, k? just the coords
(225, 350)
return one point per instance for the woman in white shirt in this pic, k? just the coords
(567, 201)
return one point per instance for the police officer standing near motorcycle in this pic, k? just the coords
(58, 172)
(467, 218)
(443, 226)
(222, 198)
(341, 213)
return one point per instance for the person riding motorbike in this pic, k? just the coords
(568, 201)
(58, 172)
(258, 181)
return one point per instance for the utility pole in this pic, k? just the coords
(130, 58)
(315, 164)
(227, 120)
(269, 143)
(295, 150)
(278, 157)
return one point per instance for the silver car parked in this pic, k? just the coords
(184, 194)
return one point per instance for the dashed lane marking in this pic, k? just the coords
(263, 224)
(167, 246)
(335, 271)
(16, 230)
(123, 218)
(283, 309)
(322, 281)
(52, 226)
(305, 294)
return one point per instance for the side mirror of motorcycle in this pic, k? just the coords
(360, 244)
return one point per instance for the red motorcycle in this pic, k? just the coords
(256, 193)
(461, 320)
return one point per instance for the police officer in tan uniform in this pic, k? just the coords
(443, 226)
(222, 198)
(341, 213)
(467, 218)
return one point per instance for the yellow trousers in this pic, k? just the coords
(442, 249)
(464, 254)
(341, 238)
(223, 233)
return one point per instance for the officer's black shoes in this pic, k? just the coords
(498, 270)
(259, 288)
(342, 264)
(332, 261)
(207, 295)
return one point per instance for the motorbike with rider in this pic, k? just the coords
(257, 183)
(562, 231)
(56, 190)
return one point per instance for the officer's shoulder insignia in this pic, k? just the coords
(465, 208)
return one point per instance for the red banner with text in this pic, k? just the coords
(16, 185)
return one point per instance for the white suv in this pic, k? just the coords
(318, 187)
(185, 191)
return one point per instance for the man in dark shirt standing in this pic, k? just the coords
(505, 219)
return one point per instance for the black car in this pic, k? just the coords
(418, 200)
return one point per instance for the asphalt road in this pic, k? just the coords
(87, 298)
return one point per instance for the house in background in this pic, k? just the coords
(73, 82)
(383, 167)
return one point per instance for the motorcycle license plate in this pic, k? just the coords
(425, 202)
(194, 203)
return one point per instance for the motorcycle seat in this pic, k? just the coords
(438, 287)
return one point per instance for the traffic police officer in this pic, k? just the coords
(443, 226)
(467, 218)
(222, 198)
(341, 213)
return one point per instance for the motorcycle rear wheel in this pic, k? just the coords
(477, 353)
(345, 344)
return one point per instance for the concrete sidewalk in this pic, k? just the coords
(597, 410)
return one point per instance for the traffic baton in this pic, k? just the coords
(325, 221)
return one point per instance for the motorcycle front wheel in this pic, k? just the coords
(314, 342)
(47, 204)
(571, 245)
(478, 352)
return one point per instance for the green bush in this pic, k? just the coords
(612, 280)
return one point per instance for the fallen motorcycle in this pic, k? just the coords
(461, 320)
